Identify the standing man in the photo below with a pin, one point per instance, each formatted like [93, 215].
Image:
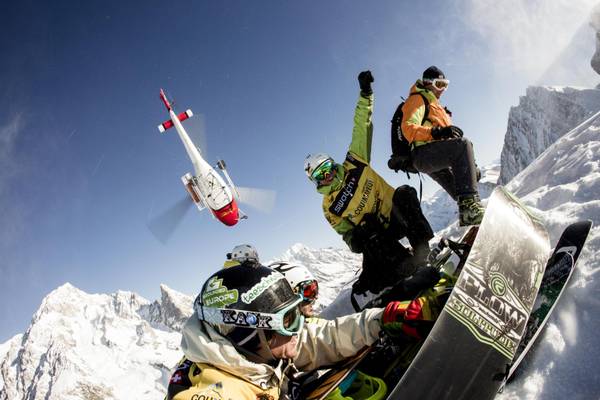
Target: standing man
[362, 207]
[438, 147]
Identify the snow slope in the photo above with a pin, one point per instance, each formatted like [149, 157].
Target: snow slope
[564, 185]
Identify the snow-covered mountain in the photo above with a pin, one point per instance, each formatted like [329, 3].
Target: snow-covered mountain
[95, 346]
[117, 346]
[336, 269]
[543, 115]
[83, 346]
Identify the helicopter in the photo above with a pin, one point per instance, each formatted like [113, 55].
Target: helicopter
[206, 188]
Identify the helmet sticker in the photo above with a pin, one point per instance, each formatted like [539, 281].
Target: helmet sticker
[217, 295]
[256, 290]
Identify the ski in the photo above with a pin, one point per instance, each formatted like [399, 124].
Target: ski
[558, 272]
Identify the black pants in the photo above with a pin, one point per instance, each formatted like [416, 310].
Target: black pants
[451, 163]
[407, 219]
[385, 260]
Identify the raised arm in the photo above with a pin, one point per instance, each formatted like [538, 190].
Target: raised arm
[362, 132]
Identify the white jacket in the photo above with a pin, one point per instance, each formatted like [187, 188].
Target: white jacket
[224, 372]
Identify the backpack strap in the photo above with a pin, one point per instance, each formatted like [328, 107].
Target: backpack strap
[425, 102]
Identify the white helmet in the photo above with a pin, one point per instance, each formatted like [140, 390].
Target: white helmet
[294, 273]
[244, 252]
[314, 161]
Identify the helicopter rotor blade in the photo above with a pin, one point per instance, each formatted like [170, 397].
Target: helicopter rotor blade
[164, 224]
[260, 199]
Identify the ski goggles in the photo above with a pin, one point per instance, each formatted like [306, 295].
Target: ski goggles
[438, 83]
[287, 321]
[323, 171]
[309, 290]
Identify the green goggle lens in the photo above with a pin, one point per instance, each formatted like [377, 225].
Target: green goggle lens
[323, 171]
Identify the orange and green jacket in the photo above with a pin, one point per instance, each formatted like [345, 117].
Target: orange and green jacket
[416, 130]
[357, 189]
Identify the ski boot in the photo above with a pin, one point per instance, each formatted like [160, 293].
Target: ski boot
[470, 210]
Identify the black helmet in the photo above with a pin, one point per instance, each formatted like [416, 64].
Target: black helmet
[248, 304]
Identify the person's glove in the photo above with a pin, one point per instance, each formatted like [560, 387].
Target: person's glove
[408, 318]
[364, 81]
[446, 132]
[423, 278]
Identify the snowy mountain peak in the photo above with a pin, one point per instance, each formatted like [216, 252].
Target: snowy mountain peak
[543, 115]
[82, 345]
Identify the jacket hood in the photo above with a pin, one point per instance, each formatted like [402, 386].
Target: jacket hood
[338, 180]
[418, 87]
[203, 344]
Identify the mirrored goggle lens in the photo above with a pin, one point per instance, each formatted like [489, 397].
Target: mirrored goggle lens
[440, 83]
[309, 290]
[323, 171]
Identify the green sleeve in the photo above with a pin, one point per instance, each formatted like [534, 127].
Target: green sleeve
[362, 133]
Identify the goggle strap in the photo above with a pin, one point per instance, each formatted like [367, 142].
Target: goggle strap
[242, 318]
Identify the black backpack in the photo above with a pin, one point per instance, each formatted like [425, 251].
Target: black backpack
[400, 160]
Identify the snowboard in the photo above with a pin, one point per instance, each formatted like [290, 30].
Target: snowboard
[485, 316]
[556, 277]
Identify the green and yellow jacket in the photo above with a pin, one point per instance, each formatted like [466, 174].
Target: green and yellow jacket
[357, 189]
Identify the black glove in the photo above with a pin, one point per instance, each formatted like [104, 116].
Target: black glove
[364, 81]
[446, 132]
[423, 278]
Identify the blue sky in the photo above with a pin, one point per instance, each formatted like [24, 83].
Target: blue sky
[82, 165]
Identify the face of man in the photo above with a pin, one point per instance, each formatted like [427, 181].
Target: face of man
[437, 92]
[306, 308]
[283, 346]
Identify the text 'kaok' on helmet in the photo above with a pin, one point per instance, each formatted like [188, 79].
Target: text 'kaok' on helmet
[248, 305]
